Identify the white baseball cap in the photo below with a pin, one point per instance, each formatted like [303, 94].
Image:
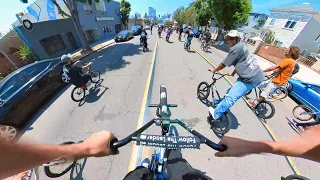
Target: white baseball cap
[232, 33]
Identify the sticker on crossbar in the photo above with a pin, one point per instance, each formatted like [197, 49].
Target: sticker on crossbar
[171, 142]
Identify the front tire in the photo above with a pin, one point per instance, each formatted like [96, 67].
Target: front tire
[223, 126]
[302, 112]
[203, 90]
[265, 110]
[295, 177]
[95, 76]
[78, 94]
[50, 170]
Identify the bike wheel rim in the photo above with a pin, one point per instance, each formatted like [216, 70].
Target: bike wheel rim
[263, 109]
[78, 94]
[203, 90]
[221, 125]
[95, 76]
[302, 113]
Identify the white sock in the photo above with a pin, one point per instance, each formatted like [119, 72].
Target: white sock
[211, 111]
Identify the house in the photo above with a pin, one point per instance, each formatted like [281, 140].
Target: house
[54, 34]
[294, 25]
[253, 20]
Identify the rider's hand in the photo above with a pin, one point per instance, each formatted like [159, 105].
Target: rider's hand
[236, 147]
[212, 69]
[97, 145]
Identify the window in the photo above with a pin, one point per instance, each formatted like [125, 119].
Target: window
[100, 6]
[106, 29]
[273, 20]
[11, 86]
[34, 70]
[87, 9]
[304, 52]
[53, 44]
[317, 39]
[292, 21]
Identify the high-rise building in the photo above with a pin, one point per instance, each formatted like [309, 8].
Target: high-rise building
[138, 15]
[152, 12]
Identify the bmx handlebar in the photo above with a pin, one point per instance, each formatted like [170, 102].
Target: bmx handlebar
[174, 142]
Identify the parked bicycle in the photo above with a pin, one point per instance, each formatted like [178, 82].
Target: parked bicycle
[164, 142]
[223, 125]
[79, 93]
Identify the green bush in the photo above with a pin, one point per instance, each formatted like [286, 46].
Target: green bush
[26, 55]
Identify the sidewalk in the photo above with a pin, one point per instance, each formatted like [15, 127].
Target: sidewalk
[304, 73]
[95, 47]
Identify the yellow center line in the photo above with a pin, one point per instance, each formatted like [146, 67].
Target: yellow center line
[135, 148]
[267, 127]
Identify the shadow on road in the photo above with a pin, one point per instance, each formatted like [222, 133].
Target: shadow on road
[112, 57]
[93, 95]
[106, 59]
[77, 170]
[35, 115]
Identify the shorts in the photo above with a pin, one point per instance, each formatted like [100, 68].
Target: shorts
[207, 40]
[268, 88]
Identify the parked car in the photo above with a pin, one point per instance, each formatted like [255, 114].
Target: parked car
[147, 27]
[136, 30]
[23, 91]
[124, 35]
[306, 93]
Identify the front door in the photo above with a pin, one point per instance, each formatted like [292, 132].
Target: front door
[72, 41]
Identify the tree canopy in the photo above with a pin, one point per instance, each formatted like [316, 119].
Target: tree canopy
[125, 8]
[179, 15]
[225, 13]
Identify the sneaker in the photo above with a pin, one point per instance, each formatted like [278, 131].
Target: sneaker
[211, 112]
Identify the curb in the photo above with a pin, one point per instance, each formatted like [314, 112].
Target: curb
[96, 50]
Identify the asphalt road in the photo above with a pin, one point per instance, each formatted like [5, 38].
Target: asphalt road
[117, 108]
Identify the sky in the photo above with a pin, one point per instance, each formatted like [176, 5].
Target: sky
[11, 7]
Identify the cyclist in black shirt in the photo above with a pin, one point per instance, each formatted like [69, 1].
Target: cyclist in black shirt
[190, 35]
[77, 77]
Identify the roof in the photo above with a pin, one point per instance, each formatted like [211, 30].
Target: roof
[304, 8]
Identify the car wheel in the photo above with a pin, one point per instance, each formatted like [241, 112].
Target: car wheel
[8, 132]
[65, 78]
[289, 87]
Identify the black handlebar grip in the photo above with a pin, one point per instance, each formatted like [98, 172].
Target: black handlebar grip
[113, 149]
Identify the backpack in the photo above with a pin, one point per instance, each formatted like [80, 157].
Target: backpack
[296, 69]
